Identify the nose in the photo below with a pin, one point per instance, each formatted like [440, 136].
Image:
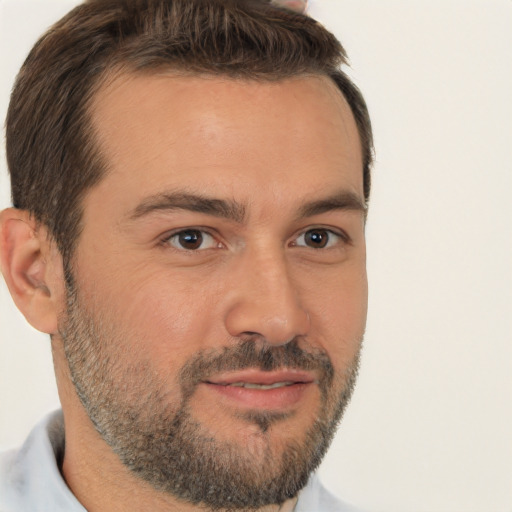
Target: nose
[265, 302]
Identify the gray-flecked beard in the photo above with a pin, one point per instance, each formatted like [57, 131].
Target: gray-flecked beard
[162, 443]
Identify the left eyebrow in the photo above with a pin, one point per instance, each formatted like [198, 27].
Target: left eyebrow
[341, 201]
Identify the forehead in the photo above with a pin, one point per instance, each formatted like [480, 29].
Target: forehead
[163, 130]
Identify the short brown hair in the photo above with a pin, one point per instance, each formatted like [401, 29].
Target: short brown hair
[51, 154]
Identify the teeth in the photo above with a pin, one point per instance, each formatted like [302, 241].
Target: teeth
[250, 385]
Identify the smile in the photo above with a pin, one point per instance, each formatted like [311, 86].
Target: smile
[252, 385]
[256, 389]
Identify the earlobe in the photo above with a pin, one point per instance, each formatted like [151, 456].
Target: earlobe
[27, 269]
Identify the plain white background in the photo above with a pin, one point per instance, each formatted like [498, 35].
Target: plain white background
[429, 428]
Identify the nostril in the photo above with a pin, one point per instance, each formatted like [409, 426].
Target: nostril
[251, 334]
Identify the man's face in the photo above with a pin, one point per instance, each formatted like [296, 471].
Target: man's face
[219, 286]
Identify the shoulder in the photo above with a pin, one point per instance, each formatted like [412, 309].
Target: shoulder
[30, 478]
[316, 498]
[12, 480]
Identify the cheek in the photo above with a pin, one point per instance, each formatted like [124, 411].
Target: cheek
[168, 315]
[339, 317]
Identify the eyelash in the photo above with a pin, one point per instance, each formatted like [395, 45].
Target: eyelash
[168, 239]
[341, 235]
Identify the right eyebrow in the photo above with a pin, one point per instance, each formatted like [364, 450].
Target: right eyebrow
[227, 209]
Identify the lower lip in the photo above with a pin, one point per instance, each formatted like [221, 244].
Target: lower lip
[268, 399]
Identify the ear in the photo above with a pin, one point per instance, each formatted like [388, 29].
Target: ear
[32, 268]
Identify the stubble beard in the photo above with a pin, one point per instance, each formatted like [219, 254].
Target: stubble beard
[161, 441]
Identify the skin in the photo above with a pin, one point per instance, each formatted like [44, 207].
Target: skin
[272, 148]
[294, 5]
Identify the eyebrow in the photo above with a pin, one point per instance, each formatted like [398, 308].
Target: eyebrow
[343, 200]
[235, 211]
[228, 209]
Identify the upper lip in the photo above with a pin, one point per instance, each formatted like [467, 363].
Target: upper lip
[257, 376]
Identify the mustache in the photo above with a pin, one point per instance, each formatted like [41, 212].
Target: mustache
[251, 353]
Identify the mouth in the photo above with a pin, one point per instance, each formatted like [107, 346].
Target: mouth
[255, 389]
[253, 385]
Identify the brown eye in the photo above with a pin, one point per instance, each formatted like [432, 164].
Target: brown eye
[192, 240]
[318, 238]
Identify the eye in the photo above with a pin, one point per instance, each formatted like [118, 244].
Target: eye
[318, 238]
[192, 240]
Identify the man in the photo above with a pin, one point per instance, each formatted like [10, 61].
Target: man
[190, 182]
